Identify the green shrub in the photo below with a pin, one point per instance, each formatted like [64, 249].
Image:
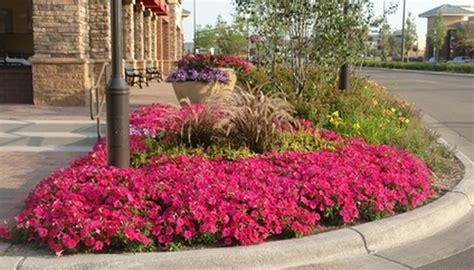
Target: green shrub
[367, 111]
[450, 67]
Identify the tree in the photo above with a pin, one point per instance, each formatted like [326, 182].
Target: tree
[304, 33]
[385, 40]
[224, 38]
[410, 34]
[437, 34]
[206, 37]
[231, 39]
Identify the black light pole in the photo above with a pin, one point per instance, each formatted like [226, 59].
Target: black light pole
[344, 71]
[403, 32]
[194, 26]
[118, 152]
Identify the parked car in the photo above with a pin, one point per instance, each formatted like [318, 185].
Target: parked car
[462, 59]
[436, 60]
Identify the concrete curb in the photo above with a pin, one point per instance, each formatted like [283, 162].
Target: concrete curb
[469, 75]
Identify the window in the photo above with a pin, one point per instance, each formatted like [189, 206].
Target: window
[6, 18]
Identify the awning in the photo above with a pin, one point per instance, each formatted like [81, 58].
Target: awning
[157, 6]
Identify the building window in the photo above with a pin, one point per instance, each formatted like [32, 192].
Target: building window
[6, 21]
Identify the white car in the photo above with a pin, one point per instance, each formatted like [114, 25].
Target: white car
[461, 59]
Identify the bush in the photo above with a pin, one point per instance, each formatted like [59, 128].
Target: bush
[367, 111]
[450, 67]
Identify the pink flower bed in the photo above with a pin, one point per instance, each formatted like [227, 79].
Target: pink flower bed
[91, 207]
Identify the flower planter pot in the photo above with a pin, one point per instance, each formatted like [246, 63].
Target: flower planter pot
[197, 91]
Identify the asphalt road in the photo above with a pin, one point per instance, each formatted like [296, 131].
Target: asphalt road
[449, 99]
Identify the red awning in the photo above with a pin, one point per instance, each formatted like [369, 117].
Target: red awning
[157, 6]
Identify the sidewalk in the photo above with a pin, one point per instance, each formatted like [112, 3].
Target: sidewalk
[156, 92]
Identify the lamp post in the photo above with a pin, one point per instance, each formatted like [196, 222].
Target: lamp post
[344, 70]
[403, 32]
[118, 152]
[194, 26]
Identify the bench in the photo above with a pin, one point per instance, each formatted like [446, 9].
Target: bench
[153, 73]
[134, 76]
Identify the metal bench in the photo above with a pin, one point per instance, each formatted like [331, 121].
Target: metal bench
[153, 73]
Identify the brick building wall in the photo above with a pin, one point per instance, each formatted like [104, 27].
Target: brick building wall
[72, 40]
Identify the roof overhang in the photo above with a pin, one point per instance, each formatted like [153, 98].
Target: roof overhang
[158, 7]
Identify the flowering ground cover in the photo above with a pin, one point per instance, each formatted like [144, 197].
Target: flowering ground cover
[173, 199]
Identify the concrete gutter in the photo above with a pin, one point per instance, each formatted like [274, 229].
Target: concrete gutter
[444, 73]
[317, 249]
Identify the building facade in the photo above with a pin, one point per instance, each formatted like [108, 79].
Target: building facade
[456, 19]
[68, 41]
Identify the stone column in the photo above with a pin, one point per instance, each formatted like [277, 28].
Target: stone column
[139, 49]
[129, 32]
[159, 42]
[99, 38]
[173, 30]
[61, 52]
[166, 48]
[153, 41]
[147, 36]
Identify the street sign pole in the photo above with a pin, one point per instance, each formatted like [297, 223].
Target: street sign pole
[118, 152]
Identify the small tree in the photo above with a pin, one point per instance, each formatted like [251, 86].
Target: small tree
[385, 48]
[231, 39]
[306, 33]
[437, 34]
[206, 37]
[410, 34]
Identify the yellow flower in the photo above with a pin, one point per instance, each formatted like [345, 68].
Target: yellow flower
[356, 126]
[393, 110]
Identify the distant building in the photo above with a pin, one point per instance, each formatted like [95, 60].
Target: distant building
[455, 18]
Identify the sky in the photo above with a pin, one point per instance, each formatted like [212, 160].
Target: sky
[208, 10]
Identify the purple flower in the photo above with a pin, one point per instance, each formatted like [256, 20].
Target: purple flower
[204, 75]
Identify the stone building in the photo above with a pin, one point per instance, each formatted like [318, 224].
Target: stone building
[455, 18]
[67, 42]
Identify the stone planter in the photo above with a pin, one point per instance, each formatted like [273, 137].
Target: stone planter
[197, 92]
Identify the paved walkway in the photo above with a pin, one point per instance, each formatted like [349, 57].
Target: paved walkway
[156, 92]
[20, 171]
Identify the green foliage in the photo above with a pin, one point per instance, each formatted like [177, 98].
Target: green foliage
[385, 40]
[285, 141]
[253, 119]
[225, 38]
[206, 37]
[367, 111]
[302, 34]
[302, 142]
[410, 34]
[450, 67]
[437, 34]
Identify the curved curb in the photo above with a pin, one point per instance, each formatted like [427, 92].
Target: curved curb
[339, 244]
